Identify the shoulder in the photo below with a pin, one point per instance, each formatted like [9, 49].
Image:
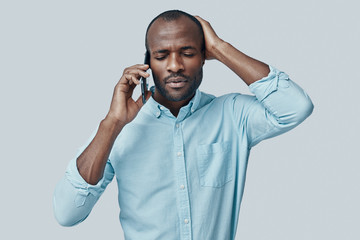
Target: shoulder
[229, 99]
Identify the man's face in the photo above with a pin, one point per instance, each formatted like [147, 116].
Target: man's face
[176, 58]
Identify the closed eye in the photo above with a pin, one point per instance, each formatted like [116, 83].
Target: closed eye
[188, 54]
[160, 58]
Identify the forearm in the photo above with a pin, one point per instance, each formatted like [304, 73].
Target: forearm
[91, 163]
[247, 68]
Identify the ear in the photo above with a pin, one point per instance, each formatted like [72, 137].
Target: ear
[203, 57]
[147, 58]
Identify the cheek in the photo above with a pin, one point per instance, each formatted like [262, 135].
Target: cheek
[158, 70]
[194, 66]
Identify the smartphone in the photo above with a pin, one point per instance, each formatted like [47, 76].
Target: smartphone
[143, 82]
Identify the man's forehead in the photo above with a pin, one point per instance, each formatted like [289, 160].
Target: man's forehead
[182, 30]
[182, 21]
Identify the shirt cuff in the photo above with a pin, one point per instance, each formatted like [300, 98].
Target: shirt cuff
[269, 84]
[74, 177]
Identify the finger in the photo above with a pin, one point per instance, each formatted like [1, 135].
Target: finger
[200, 19]
[138, 70]
[131, 89]
[130, 78]
[125, 88]
[126, 84]
[205, 24]
[143, 67]
[126, 79]
[138, 73]
[135, 80]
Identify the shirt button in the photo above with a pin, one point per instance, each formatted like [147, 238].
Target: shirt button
[182, 187]
[179, 154]
[186, 221]
[162, 108]
[177, 125]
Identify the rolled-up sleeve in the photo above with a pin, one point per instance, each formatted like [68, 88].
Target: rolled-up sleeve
[279, 105]
[74, 198]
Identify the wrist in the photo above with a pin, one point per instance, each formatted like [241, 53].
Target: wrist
[218, 48]
[113, 125]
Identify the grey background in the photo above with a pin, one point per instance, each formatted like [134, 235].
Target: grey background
[59, 62]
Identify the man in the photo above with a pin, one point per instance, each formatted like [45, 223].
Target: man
[180, 160]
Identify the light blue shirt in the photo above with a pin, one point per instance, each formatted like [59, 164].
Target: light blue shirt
[183, 177]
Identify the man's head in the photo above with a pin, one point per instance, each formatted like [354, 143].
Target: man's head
[173, 15]
[175, 41]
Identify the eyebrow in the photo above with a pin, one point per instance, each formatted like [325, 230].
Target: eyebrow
[188, 47]
[166, 51]
[160, 51]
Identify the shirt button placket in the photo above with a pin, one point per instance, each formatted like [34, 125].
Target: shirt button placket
[183, 195]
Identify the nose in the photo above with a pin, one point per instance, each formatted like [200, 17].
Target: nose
[175, 63]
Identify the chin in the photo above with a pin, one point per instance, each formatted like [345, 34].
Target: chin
[180, 94]
[177, 97]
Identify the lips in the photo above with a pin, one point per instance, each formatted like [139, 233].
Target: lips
[176, 82]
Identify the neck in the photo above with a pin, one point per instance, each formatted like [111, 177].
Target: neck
[173, 106]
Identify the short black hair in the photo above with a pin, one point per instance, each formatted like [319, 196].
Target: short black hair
[172, 15]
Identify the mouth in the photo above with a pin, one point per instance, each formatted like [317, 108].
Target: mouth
[176, 82]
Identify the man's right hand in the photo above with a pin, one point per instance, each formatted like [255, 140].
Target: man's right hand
[91, 162]
[123, 108]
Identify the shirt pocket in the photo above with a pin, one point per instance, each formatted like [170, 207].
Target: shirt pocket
[214, 164]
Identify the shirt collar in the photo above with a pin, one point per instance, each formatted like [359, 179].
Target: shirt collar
[157, 109]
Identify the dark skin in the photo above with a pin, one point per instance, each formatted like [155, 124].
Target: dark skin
[174, 50]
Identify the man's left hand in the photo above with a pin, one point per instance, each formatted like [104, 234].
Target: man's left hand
[212, 41]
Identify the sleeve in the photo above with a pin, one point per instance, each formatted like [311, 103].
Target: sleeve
[74, 198]
[279, 105]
